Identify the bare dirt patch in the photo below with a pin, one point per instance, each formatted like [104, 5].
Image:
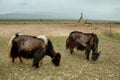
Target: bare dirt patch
[54, 29]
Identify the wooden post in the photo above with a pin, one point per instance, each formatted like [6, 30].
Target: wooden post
[81, 17]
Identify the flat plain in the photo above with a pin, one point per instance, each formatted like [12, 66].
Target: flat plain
[72, 67]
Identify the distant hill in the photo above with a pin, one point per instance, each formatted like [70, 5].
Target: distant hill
[41, 15]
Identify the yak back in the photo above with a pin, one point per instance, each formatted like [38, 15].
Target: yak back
[82, 40]
[29, 43]
[80, 37]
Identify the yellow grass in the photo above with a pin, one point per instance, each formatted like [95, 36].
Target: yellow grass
[73, 67]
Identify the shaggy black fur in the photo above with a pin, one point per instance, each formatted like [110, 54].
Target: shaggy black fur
[75, 40]
[56, 57]
[38, 55]
[20, 48]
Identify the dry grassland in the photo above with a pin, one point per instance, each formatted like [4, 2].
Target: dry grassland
[73, 67]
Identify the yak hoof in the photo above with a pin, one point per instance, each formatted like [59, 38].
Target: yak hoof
[35, 65]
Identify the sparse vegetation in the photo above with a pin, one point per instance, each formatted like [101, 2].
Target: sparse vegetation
[74, 67]
[38, 21]
[116, 36]
[28, 21]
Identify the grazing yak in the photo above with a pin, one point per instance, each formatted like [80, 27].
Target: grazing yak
[32, 47]
[83, 41]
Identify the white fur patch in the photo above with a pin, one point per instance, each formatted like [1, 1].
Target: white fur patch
[10, 44]
[10, 41]
[43, 37]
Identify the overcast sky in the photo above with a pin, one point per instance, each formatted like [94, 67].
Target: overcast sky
[92, 9]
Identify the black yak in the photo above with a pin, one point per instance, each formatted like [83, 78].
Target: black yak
[32, 47]
[83, 41]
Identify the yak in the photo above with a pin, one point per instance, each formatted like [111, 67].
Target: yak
[32, 47]
[83, 41]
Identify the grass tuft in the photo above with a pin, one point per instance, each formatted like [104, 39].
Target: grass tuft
[73, 67]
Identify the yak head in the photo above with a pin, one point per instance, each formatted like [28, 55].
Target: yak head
[95, 55]
[56, 59]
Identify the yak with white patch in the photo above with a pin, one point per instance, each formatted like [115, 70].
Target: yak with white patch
[83, 41]
[32, 47]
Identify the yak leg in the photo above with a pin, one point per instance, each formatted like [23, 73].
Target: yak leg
[72, 46]
[20, 59]
[87, 52]
[41, 62]
[71, 50]
[13, 59]
[38, 55]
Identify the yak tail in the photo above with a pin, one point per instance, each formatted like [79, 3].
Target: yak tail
[67, 43]
[10, 44]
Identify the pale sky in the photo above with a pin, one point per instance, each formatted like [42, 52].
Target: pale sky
[92, 9]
